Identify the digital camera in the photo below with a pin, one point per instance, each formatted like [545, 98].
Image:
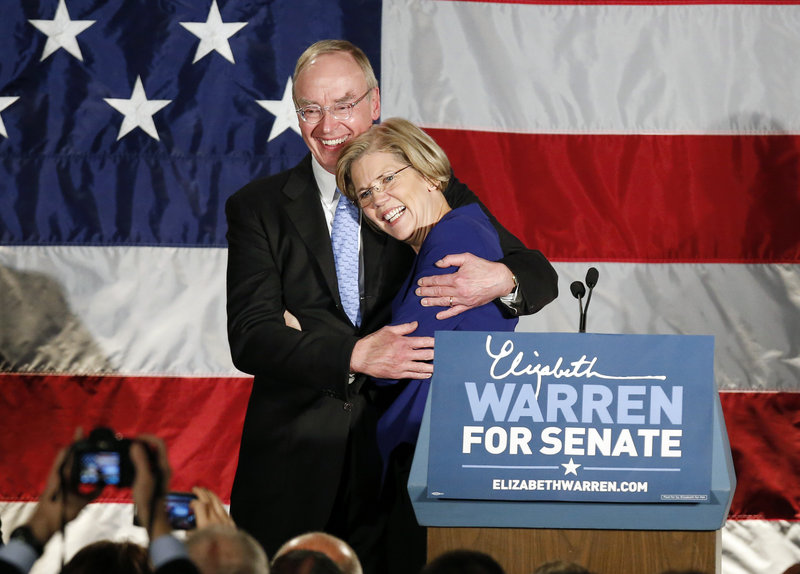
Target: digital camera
[101, 459]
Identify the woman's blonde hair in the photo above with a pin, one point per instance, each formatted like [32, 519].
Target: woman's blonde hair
[406, 142]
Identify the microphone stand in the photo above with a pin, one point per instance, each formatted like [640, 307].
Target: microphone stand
[591, 280]
[578, 291]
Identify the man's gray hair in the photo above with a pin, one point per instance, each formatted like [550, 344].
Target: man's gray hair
[224, 549]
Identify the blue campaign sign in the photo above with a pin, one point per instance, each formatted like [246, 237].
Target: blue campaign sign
[571, 417]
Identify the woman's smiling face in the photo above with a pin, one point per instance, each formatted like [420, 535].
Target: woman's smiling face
[403, 203]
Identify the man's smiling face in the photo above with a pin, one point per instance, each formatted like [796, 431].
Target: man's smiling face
[328, 80]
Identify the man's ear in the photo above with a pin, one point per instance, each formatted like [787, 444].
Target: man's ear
[375, 102]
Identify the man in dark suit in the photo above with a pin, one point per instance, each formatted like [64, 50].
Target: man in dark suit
[308, 458]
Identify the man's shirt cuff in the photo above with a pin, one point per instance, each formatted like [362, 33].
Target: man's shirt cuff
[18, 554]
[165, 549]
[513, 301]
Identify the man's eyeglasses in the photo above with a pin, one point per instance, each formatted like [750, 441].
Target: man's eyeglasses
[366, 196]
[313, 113]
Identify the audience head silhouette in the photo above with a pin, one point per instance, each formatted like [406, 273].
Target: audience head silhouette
[561, 567]
[222, 549]
[108, 556]
[463, 562]
[303, 561]
[334, 548]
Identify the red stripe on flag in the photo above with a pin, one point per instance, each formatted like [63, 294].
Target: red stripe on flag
[638, 198]
[200, 419]
[762, 428]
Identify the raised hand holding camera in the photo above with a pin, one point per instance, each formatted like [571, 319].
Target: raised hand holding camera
[103, 459]
[209, 509]
[150, 484]
[58, 504]
[79, 474]
[109, 459]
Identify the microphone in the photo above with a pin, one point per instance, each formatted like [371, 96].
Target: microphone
[578, 291]
[591, 280]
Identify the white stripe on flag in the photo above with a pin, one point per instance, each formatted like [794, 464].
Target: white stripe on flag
[688, 69]
[750, 546]
[100, 521]
[171, 319]
[747, 545]
[752, 310]
[123, 310]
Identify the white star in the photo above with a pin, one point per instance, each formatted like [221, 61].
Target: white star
[5, 101]
[284, 112]
[62, 32]
[214, 34]
[570, 467]
[138, 111]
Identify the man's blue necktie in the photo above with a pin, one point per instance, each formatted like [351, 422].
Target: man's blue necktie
[344, 236]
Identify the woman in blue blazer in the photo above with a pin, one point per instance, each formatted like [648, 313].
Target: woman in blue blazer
[396, 174]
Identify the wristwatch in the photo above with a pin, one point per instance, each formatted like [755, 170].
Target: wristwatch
[25, 534]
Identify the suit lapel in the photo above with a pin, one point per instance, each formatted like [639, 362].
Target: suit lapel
[304, 209]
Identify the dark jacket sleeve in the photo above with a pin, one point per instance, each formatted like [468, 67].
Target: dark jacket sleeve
[538, 281]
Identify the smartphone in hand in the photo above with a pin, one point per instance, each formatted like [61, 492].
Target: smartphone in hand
[180, 513]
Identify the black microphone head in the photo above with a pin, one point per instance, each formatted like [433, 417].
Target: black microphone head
[578, 290]
[591, 277]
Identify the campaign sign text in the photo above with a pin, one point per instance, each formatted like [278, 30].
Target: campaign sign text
[571, 417]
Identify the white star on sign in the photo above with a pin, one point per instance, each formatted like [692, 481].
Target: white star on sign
[214, 34]
[570, 467]
[138, 111]
[62, 32]
[284, 112]
[5, 101]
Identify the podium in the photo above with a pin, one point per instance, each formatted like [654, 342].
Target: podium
[605, 537]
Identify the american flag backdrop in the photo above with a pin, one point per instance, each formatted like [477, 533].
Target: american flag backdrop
[656, 141]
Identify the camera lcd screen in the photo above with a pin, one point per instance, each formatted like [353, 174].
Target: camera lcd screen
[181, 515]
[101, 466]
